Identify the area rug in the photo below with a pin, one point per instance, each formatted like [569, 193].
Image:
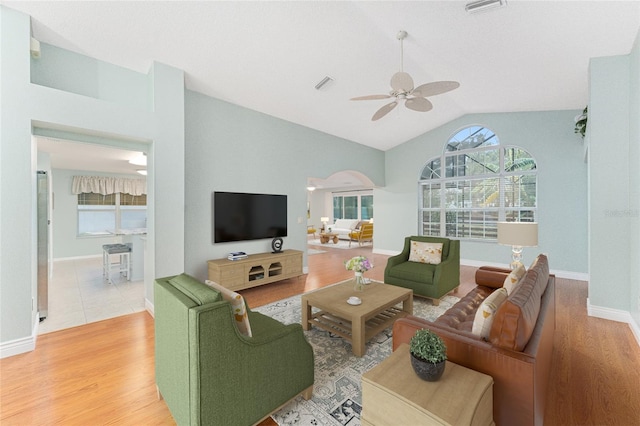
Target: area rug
[311, 252]
[337, 397]
[342, 244]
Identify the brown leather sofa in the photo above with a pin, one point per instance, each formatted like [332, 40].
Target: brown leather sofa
[519, 350]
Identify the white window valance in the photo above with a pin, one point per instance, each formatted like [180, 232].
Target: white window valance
[108, 185]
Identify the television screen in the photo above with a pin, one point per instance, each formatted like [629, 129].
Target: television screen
[240, 216]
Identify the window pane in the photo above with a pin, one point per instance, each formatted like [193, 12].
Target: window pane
[520, 216]
[350, 207]
[458, 194]
[133, 200]
[516, 159]
[472, 137]
[485, 193]
[431, 223]
[431, 170]
[93, 199]
[133, 217]
[520, 191]
[430, 195]
[337, 208]
[93, 222]
[366, 208]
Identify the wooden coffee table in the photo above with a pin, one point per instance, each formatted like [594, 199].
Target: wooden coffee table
[358, 323]
[326, 236]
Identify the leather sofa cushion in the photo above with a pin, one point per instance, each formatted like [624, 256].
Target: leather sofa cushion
[412, 271]
[195, 290]
[461, 315]
[517, 316]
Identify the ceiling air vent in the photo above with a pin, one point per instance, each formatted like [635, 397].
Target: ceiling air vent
[484, 5]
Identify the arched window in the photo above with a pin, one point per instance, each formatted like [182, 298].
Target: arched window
[482, 182]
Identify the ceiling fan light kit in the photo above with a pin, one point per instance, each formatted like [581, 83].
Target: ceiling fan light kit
[402, 89]
[484, 5]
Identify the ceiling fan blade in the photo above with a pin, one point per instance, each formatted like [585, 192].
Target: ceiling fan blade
[418, 104]
[435, 88]
[402, 82]
[370, 97]
[384, 111]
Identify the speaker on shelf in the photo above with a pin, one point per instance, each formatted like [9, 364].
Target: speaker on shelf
[276, 245]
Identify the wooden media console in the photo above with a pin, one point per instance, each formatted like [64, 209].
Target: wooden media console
[255, 269]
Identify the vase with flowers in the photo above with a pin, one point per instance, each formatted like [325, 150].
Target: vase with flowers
[359, 265]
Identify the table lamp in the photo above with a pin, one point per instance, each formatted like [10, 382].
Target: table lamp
[517, 235]
[324, 221]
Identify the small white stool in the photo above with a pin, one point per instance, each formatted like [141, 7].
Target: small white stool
[124, 260]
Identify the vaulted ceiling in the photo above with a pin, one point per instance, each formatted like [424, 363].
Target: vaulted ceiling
[268, 56]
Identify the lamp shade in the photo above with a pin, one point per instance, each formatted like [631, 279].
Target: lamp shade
[523, 234]
[324, 219]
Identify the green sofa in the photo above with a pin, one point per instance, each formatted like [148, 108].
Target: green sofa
[426, 280]
[208, 372]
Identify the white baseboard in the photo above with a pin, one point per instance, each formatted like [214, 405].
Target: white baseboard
[385, 252]
[22, 345]
[149, 307]
[614, 315]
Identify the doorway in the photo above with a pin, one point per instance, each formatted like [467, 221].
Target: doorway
[78, 290]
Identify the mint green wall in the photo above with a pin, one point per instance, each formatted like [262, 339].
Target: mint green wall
[24, 105]
[231, 148]
[58, 68]
[614, 182]
[634, 178]
[562, 193]
[609, 190]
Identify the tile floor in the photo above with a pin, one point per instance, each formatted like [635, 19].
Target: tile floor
[79, 294]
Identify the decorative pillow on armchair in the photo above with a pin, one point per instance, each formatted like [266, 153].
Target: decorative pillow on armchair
[486, 313]
[238, 306]
[422, 252]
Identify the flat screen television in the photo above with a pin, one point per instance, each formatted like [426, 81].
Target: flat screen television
[239, 216]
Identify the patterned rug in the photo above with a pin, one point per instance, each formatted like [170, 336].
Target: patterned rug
[337, 397]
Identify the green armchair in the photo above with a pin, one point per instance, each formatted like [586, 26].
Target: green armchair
[426, 280]
[208, 372]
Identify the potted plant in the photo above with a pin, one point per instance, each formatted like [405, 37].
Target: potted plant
[428, 355]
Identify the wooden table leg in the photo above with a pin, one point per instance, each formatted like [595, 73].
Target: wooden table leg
[306, 314]
[407, 304]
[358, 336]
[335, 240]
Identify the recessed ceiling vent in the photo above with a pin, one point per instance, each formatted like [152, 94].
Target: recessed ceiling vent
[484, 5]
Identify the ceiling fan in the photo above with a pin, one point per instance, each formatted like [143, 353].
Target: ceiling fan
[402, 90]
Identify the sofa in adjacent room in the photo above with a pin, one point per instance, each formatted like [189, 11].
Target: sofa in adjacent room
[430, 266]
[514, 344]
[218, 362]
[343, 227]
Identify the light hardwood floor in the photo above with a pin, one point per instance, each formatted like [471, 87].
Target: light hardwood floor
[103, 373]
